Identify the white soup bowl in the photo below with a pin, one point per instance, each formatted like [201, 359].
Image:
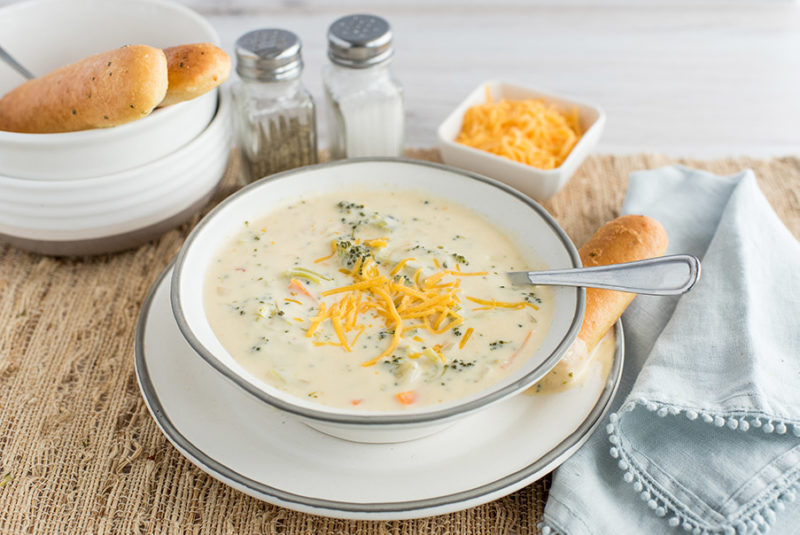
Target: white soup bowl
[530, 226]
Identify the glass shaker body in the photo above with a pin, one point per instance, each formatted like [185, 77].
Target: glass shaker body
[275, 117]
[276, 125]
[364, 103]
[364, 110]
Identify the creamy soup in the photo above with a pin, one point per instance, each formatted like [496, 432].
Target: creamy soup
[375, 300]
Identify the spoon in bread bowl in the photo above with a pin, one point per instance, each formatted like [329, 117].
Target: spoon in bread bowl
[663, 275]
[17, 66]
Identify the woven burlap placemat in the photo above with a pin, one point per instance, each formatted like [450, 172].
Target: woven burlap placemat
[79, 452]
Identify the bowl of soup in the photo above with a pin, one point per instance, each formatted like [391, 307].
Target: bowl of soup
[368, 297]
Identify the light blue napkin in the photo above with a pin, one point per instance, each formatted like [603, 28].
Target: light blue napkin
[706, 437]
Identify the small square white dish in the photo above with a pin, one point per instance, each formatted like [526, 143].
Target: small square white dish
[539, 184]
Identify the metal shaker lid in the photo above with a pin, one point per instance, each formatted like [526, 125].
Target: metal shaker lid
[360, 41]
[269, 55]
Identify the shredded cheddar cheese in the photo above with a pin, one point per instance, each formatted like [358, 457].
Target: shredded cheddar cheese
[432, 303]
[377, 242]
[463, 341]
[400, 265]
[489, 304]
[526, 131]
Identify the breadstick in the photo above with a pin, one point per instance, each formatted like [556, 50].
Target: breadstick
[103, 90]
[624, 239]
[194, 70]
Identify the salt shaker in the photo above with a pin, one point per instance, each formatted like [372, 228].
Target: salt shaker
[275, 119]
[364, 102]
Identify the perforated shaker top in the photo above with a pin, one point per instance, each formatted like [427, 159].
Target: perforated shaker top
[360, 41]
[269, 55]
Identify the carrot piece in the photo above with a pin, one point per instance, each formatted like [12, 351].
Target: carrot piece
[406, 398]
[356, 401]
[507, 363]
[296, 285]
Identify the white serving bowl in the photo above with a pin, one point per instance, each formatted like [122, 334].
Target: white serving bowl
[66, 201]
[46, 34]
[90, 214]
[124, 213]
[531, 227]
[539, 184]
[106, 220]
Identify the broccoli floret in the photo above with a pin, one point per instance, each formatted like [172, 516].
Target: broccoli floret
[497, 344]
[349, 253]
[531, 297]
[348, 207]
[355, 216]
[403, 279]
[460, 258]
[459, 365]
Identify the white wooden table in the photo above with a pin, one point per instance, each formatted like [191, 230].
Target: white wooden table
[683, 78]
[686, 78]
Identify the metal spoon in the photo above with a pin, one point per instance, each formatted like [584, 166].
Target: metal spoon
[665, 275]
[5, 56]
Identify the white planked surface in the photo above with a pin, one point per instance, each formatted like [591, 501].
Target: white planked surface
[685, 78]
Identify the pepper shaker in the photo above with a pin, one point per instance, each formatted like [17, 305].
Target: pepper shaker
[275, 119]
[364, 103]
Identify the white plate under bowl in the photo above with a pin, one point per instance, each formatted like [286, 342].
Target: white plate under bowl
[66, 31]
[264, 453]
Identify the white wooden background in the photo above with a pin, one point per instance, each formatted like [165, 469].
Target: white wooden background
[686, 78]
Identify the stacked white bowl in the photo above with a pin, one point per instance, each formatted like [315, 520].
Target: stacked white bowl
[105, 190]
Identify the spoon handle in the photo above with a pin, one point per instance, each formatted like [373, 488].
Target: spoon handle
[8, 58]
[665, 275]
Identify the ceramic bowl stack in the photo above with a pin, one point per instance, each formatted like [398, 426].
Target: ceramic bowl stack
[105, 190]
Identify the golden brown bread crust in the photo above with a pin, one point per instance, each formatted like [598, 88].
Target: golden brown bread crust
[624, 239]
[103, 90]
[194, 70]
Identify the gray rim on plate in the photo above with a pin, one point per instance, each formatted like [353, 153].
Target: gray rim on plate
[535, 470]
[322, 415]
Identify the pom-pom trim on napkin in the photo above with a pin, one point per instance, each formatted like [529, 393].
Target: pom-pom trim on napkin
[757, 520]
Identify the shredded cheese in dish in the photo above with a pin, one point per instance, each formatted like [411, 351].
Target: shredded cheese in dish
[391, 301]
[526, 131]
